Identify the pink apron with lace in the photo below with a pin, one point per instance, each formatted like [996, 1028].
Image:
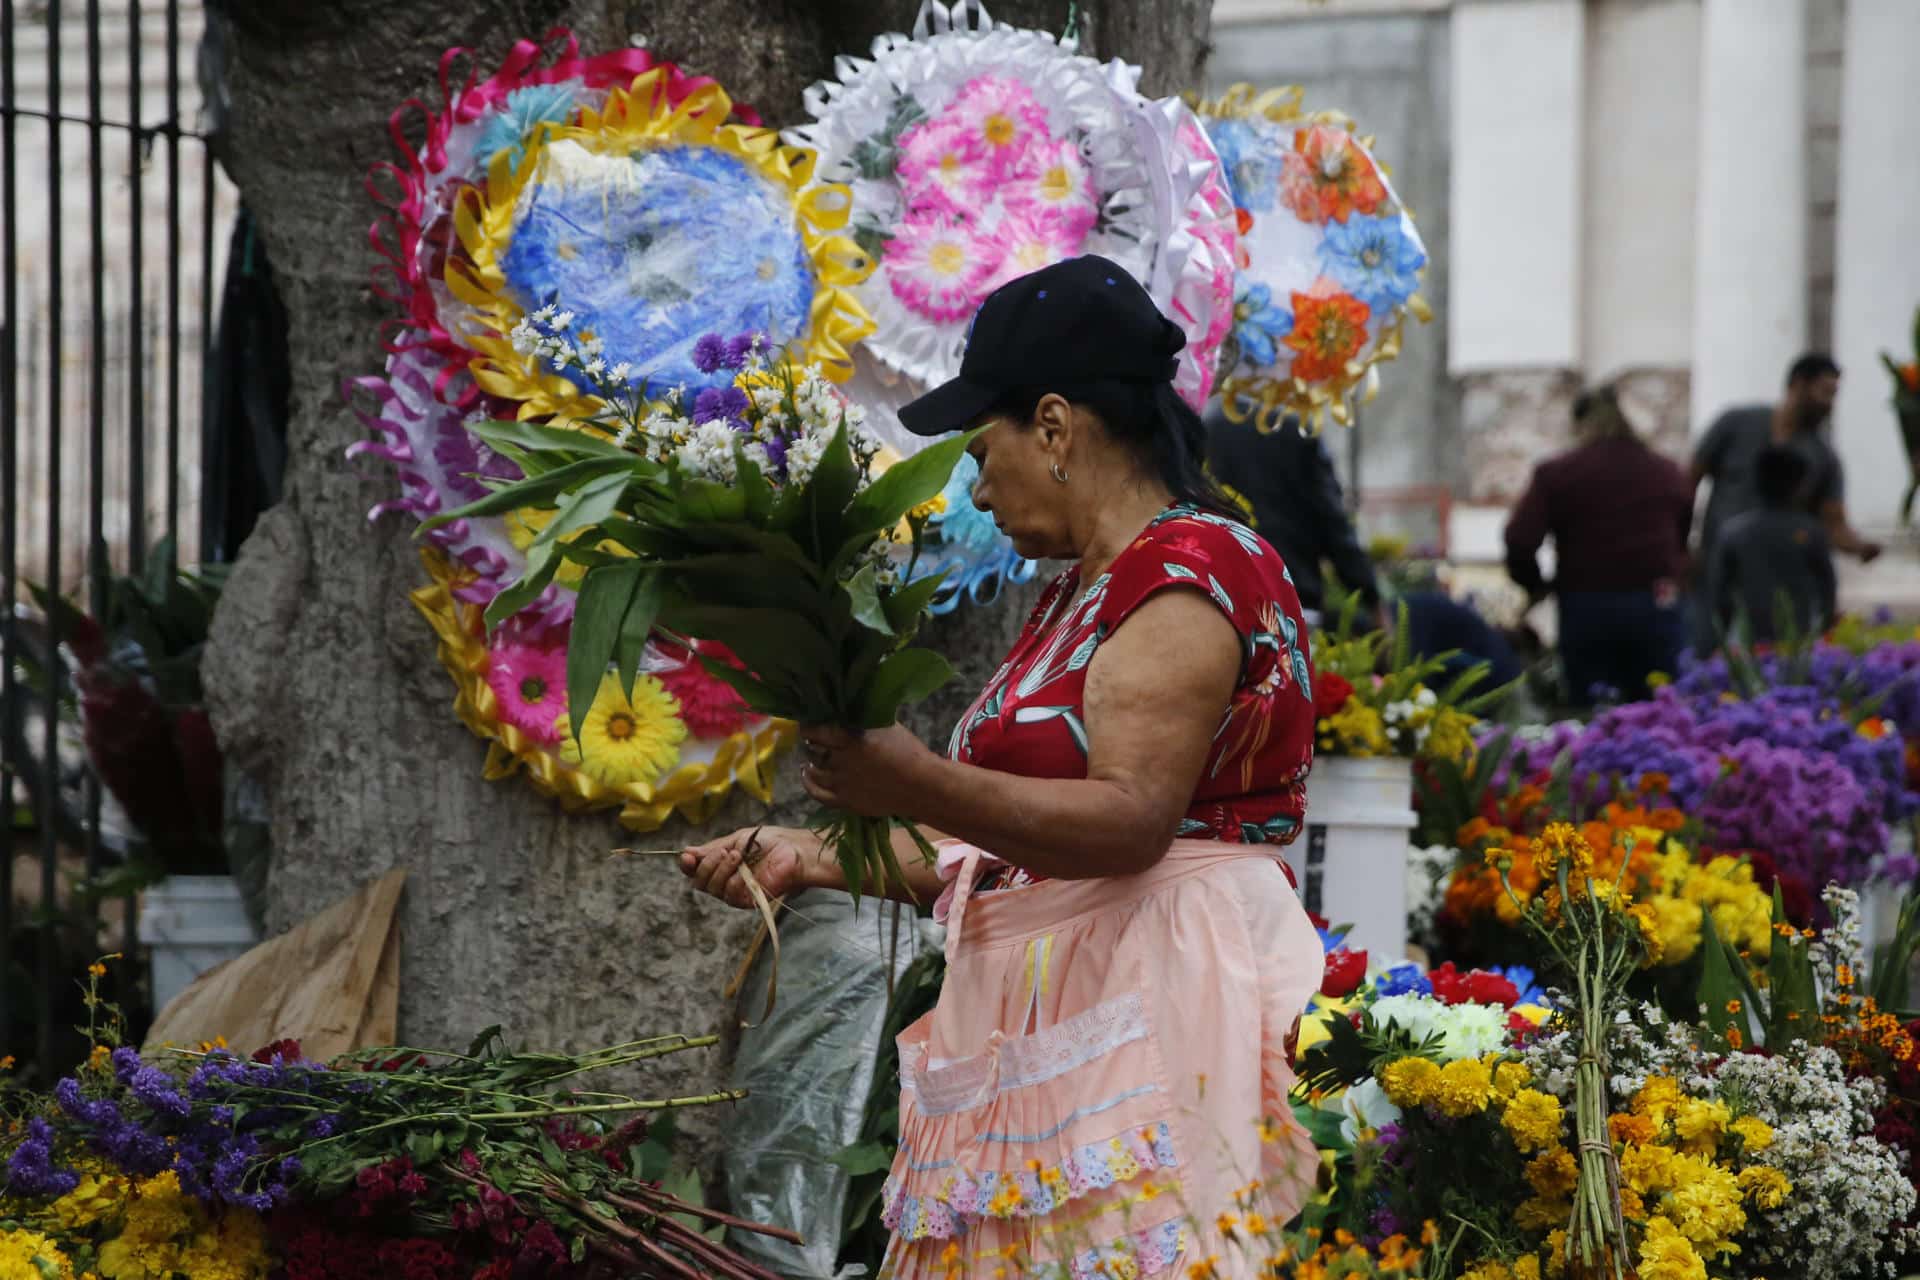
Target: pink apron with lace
[1091, 1089]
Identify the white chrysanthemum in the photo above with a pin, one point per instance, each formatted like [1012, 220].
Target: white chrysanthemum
[708, 452]
[1472, 1030]
[1418, 1016]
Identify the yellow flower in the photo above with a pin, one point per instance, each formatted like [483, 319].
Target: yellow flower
[234, 1250]
[98, 1057]
[1408, 1081]
[96, 970]
[1699, 1123]
[1538, 1214]
[1704, 1203]
[1533, 1120]
[1665, 1254]
[1766, 1187]
[1676, 928]
[6, 1063]
[1256, 1225]
[1648, 1169]
[1151, 1191]
[1754, 1133]
[624, 741]
[1464, 1087]
[1657, 1099]
[29, 1255]
[1553, 1174]
[1509, 1078]
[1207, 1268]
[524, 526]
[1269, 1131]
[1526, 1267]
[1557, 1252]
[1226, 1224]
[98, 1195]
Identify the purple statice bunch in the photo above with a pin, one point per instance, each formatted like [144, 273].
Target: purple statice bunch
[1805, 808]
[130, 1146]
[713, 353]
[30, 1169]
[1885, 678]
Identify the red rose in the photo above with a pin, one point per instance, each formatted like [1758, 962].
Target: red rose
[1478, 987]
[1330, 692]
[286, 1050]
[1345, 971]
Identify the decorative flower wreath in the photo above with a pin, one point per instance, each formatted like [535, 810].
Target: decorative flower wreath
[1330, 261]
[978, 152]
[586, 190]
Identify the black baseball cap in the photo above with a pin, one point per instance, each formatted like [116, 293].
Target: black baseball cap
[1081, 321]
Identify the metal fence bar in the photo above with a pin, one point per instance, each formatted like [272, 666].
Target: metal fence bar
[173, 273]
[136, 309]
[10, 484]
[49, 775]
[96, 560]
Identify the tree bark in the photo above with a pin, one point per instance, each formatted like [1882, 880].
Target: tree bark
[323, 680]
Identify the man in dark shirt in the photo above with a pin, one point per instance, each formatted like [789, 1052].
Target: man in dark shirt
[1285, 481]
[1730, 451]
[1772, 557]
[1618, 514]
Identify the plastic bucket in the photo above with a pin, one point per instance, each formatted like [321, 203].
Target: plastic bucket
[1352, 862]
[192, 924]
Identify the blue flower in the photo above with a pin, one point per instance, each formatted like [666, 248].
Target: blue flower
[1374, 259]
[1252, 161]
[30, 1172]
[709, 352]
[1524, 981]
[523, 111]
[1403, 979]
[716, 404]
[1258, 325]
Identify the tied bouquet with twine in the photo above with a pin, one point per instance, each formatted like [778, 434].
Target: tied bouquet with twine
[757, 514]
[1596, 936]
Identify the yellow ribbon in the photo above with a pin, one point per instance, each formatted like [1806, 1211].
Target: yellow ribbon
[693, 791]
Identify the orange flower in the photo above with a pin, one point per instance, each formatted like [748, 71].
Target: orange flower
[1328, 177]
[1910, 375]
[1327, 332]
[1873, 728]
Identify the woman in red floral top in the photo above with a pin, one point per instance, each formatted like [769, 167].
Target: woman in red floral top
[1126, 955]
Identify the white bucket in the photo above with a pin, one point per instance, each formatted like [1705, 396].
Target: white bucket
[192, 924]
[1352, 861]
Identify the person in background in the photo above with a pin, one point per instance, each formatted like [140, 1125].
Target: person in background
[1729, 455]
[1618, 514]
[1437, 623]
[1774, 555]
[1285, 483]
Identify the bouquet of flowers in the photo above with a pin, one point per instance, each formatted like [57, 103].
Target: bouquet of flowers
[753, 513]
[455, 1166]
[1408, 710]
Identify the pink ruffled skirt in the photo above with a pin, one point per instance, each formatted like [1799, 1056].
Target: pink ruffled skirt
[1105, 1073]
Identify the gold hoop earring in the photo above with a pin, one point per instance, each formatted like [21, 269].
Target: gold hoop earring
[1059, 474]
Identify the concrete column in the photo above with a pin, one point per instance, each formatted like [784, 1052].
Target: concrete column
[1750, 215]
[1515, 223]
[1877, 268]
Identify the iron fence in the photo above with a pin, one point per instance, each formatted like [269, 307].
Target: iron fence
[103, 346]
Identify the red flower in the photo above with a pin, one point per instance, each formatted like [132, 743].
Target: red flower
[286, 1050]
[1477, 987]
[1330, 692]
[1345, 970]
[1327, 332]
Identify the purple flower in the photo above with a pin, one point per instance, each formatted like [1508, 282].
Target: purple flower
[154, 1087]
[126, 1061]
[709, 352]
[715, 404]
[30, 1171]
[324, 1127]
[739, 347]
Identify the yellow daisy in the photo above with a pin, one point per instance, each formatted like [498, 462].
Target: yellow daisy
[624, 741]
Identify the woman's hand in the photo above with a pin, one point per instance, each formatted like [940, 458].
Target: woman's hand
[872, 773]
[784, 860]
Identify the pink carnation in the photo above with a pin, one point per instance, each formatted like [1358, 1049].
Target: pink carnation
[943, 167]
[709, 707]
[1004, 116]
[1030, 238]
[530, 682]
[938, 267]
[1054, 178]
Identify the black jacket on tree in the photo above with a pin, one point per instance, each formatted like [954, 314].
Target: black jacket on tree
[1286, 482]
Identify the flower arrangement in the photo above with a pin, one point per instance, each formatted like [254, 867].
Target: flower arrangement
[1405, 712]
[749, 514]
[455, 1166]
[1330, 263]
[1906, 405]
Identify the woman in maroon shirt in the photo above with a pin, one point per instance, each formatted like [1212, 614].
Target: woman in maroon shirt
[1618, 514]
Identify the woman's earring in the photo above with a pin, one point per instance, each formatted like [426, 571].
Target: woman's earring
[1059, 474]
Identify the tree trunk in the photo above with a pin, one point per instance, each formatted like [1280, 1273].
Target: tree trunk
[324, 681]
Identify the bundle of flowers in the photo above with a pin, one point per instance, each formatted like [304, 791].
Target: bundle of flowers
[750, 514]
[1787, 771]
[455, 1166]
[1639, 843]
[1372, 697]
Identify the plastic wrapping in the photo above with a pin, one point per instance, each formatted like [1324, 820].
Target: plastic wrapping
[808, 1069]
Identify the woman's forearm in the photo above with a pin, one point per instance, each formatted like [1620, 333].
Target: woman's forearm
[1063, 829]
[919, 882]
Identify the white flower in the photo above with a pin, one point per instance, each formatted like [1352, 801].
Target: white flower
[621, 372]
[596, 367]
[1472, 1030]
[803, 457]
[1366, 1107]
[708, 452]
[1418, 1016]
[562, 320]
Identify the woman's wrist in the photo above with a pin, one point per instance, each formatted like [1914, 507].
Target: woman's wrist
[818, 868]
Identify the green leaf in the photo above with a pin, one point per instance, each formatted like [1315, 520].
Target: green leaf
[605, 596]
[902, 678]
[751, 691]
[535, 437]
[785, 650]
[907, 605]
[864, 1158]
[905, 485]
[478, 1049]
[704, 500]
[522, 593]
[590, 505]
[863, 594]
[829, 490]
[540, 491]
[635, 627]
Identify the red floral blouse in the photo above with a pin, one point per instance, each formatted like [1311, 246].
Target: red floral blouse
[1028, 719]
